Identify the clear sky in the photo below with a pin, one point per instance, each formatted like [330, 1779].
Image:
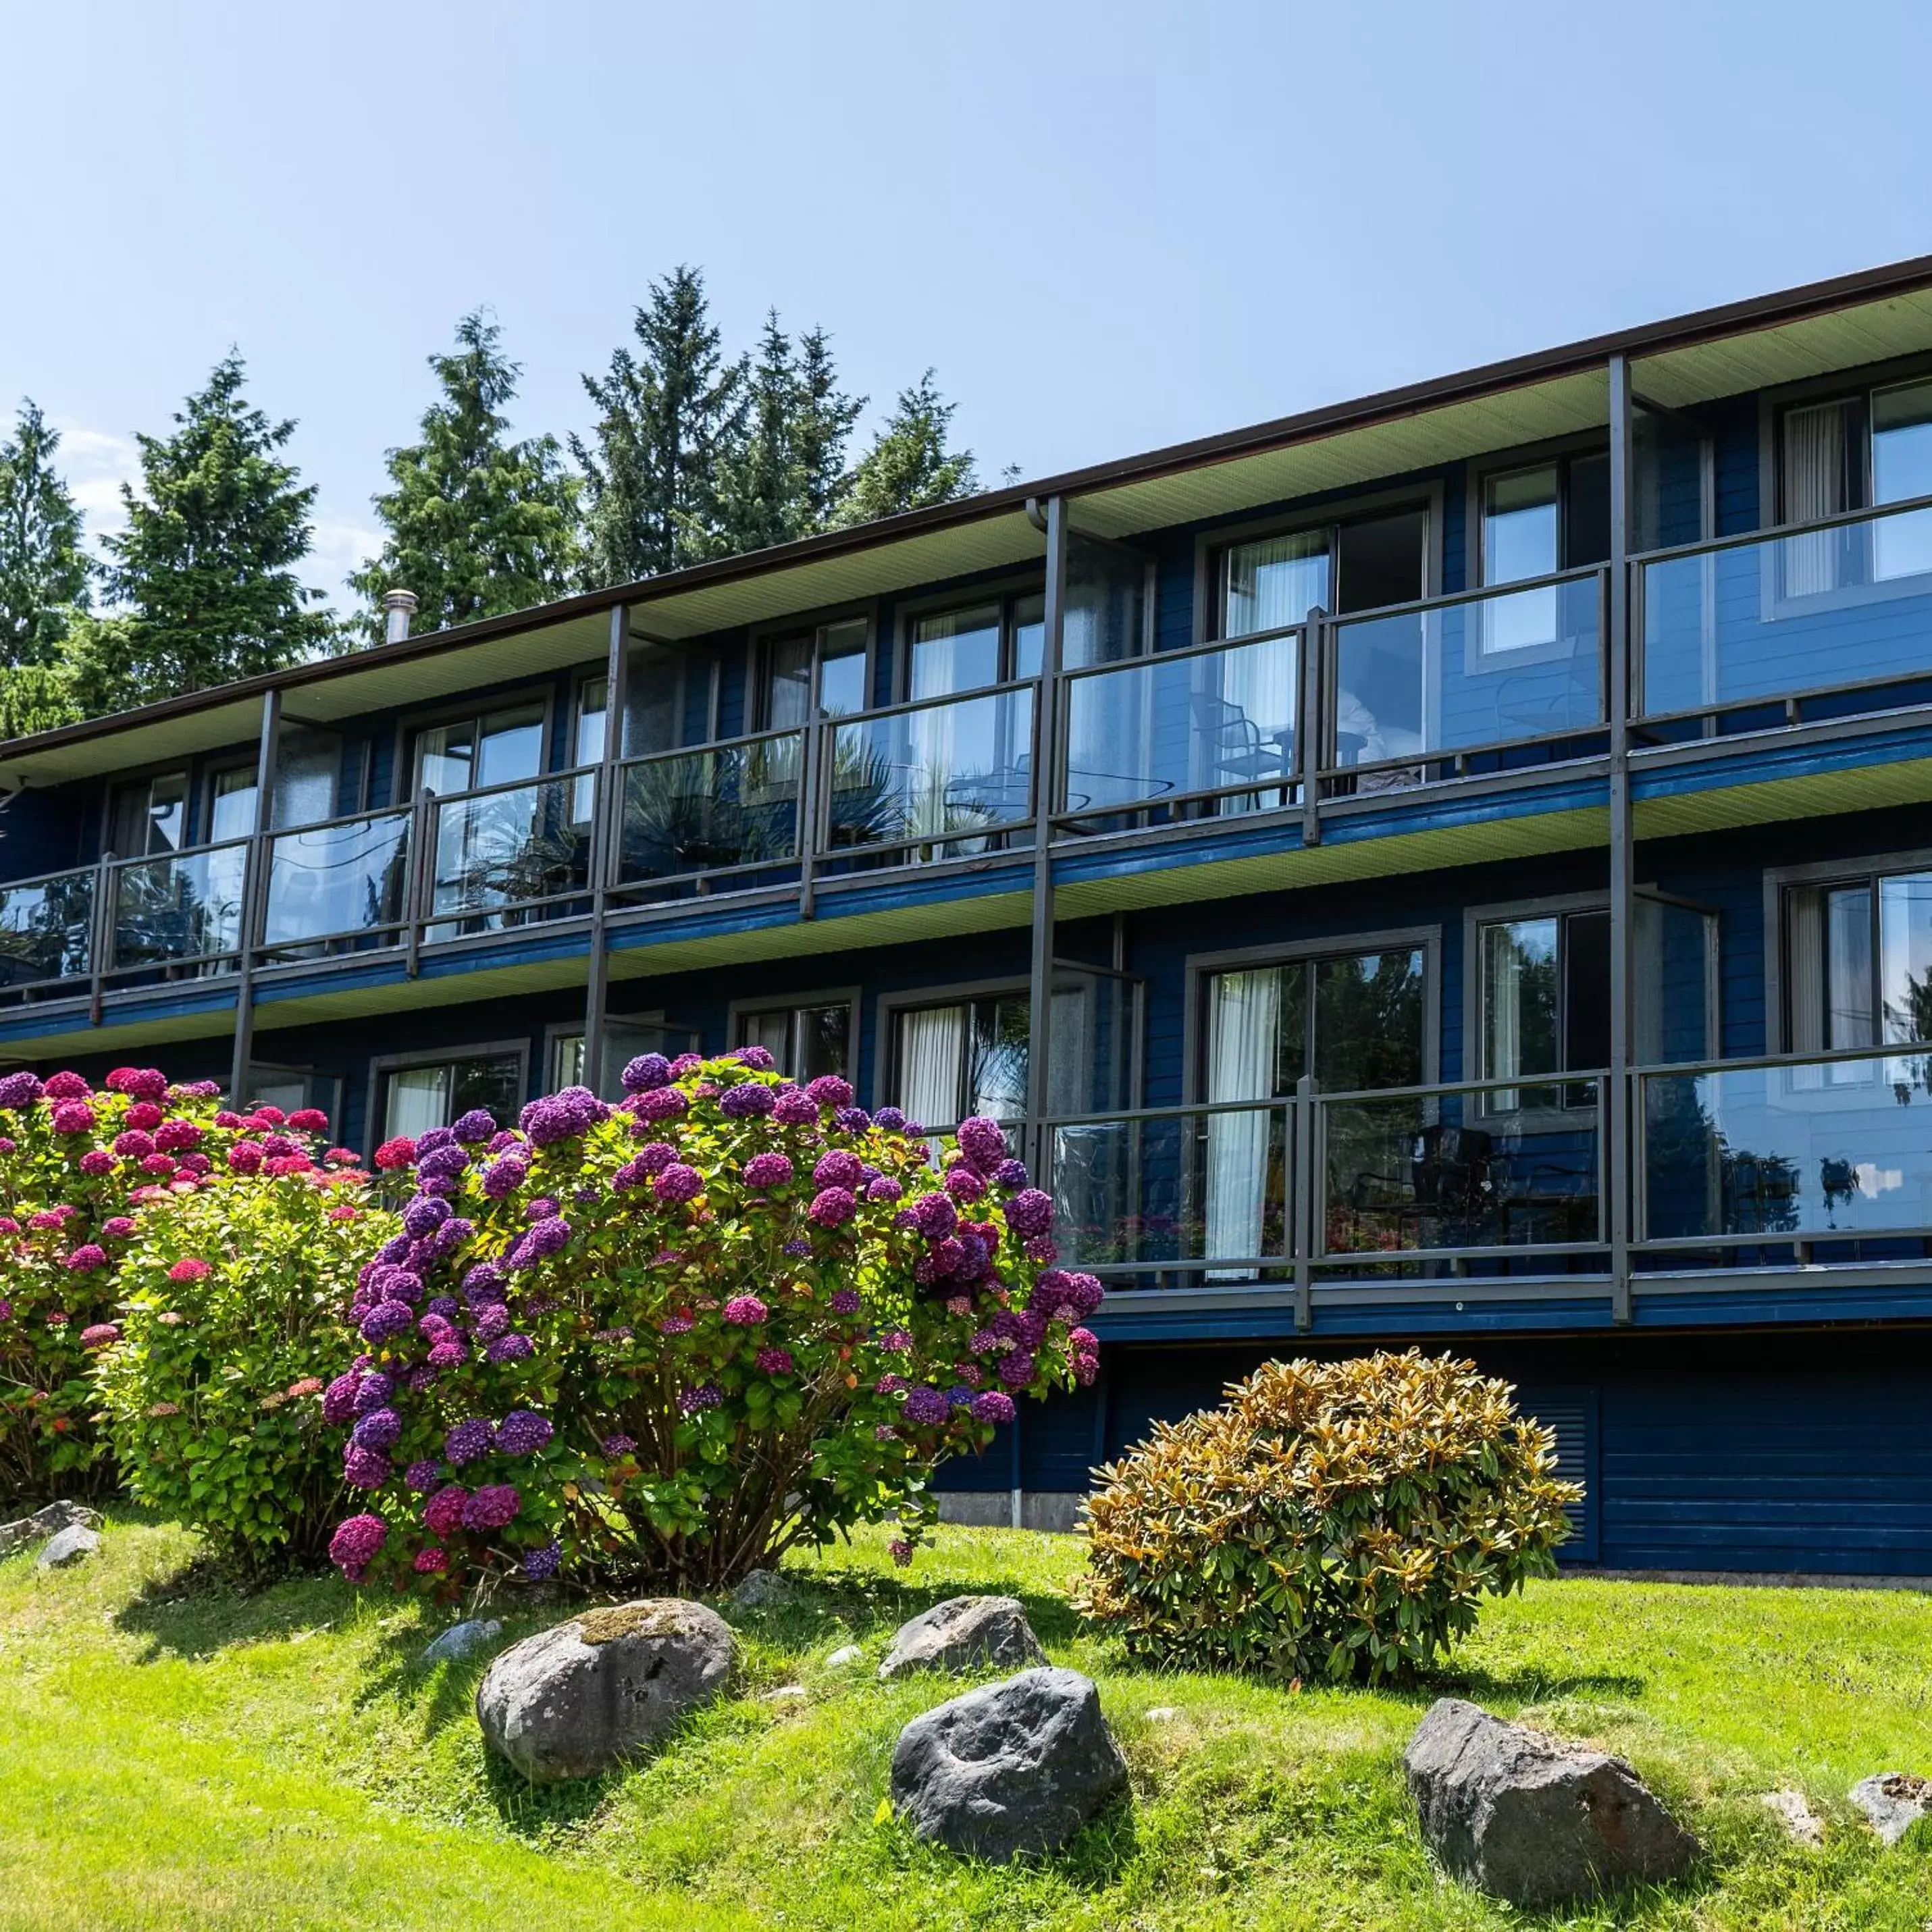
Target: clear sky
[1109, 225]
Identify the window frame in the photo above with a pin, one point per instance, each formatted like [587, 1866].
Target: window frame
[557, 1030]
[1859, 868]
[885, 1053]
[762, 636]
[1211, 546]
[382, 1065]
[1199, 967]
[849, 997]
[403, 783]
[1005, 590]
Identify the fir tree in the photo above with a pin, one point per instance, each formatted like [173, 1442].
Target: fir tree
[909, 465]
[666, 413]
[43, 570]
[478, 525]
[203, 575]
[823, 419]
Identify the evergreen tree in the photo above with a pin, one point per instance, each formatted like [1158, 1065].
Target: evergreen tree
[203, 574]
[43, 570]
[909, 465]
[822, 418]
[478, 525]
[667, 411]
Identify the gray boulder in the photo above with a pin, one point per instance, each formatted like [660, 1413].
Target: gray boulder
[575, 1700]
[1895, 1801]
[965, 1633]
[67, 1546]
[1010, 1770]
[48, 1522]
[1532, 1819]
[461, 1640]
[761, 1590]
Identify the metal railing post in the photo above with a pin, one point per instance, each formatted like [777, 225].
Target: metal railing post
[816, 734]
[100, 935]
[1302, 1155]
[1622, 834]
[252, 869]
[605, 806]
[1039, 981]
[421, 816]
[1309, 735]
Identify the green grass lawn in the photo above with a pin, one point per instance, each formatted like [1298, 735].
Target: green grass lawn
[173, 1756]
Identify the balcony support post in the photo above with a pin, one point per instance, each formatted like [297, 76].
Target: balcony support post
[1308, 733]
[1623, 873]
[100, 936]
[606, 838]
[254, 888]
[1046, 782]
[1304, 1193]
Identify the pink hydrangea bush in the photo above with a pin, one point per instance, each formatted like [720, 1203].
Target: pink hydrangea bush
[76, 1167]
[228, 1326]
[672, 1339]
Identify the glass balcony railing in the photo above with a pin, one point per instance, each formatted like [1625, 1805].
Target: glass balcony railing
[179, 909]
[1469, 1173]
[1843, 605]
[723, 814]
[1182, 734]
[1423, 690]
[1175, 1188]
[47, 929]
[944, 778]
[339, 886]
[1776, 1155]
[510, 856]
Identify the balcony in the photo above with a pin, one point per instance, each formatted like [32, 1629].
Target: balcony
[1804, 1174]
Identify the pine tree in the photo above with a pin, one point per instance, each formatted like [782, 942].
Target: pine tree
[43, 570]
[478, 525]
[909, 465]
[823, 417]
[667, 412]
[204, 573]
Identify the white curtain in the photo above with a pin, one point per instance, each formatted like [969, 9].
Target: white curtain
[1814, 486]
[1243, 1016]
[932, 1049]
[418, 1100]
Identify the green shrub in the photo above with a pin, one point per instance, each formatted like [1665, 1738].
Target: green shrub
[1337, 1519]
[232, 1298]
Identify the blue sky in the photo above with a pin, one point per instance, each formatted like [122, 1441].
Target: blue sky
[1109, 225]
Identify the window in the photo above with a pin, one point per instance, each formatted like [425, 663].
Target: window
[150, 817]
[231, 804]
[1354, 1020]
[967, 1057]
[1268, 584]
[624, 1040]
[1537, 521]
[1855, 453]
[292, 1089]
[413, 1099]
[997, 641]
[1545, 1001]
[494, 747]
[806, 1039]
[1858, 962]
[819, 673]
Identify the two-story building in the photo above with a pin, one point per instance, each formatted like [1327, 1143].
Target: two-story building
[1454, 868]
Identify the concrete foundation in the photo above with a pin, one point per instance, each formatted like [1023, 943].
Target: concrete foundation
[1057, 1511]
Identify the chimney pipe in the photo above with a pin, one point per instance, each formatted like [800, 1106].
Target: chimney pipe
[398, 607]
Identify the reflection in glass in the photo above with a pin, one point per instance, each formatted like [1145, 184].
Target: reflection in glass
[499, 856]
[185, 907]
[337, 881]
[46, 928]
[712, 810]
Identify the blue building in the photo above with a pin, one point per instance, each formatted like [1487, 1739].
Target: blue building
[1453, 869]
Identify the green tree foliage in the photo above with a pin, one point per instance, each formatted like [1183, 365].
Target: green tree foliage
[667, 410]
[43, 570]
[478, 524]
[909, 466]
[784, 475]
[204, 573]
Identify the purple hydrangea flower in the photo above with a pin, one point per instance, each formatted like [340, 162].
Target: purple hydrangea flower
[475, 1126]
[1011, 1174]
[751, 1100]
[491, 1320]
[677, 1183]
[447, 1354]
[935, 1216]
[385, 1319]
[896, 1342]
[767, 1170]
[483, 1285]
[833, 1207]
[774, 1361]
[993, 1406]
[654, 1156]
[541, 1565]
[884, 1189]
[1030, 1212]
[830, 1091]
[845, 1301]
[424, 1215]
[491, 1507]
[706, 1395]
[356, 1543]
[757, 1057]
[615, 1446]
[982, 1142]
[744, 1311]
[522, 1432]
[561, 1116]
[395, 1250]
[549, 1236]
[796, 1249]
[794, 1108]
[338, 1400]
[436, 1137]
[19, 1091]
[444, 1163]
[963, 1184]
[380, 1428]
[1016, 1370]
[508, 1349]
[685, 1062]
[467, 1441]
[675, 1325]
[853, 1120]
[891, 1118]
[926, 1407]
[660, 1103]
[838, 1168]
[364, 1468]
[647, 1071]
[374, 1392]
[504, 1175]
[420, 1477]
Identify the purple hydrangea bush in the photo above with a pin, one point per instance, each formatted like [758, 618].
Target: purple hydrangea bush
[77, 1166]
[670, 1339]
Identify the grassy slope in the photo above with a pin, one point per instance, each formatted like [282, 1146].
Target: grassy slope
[174, 1760]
